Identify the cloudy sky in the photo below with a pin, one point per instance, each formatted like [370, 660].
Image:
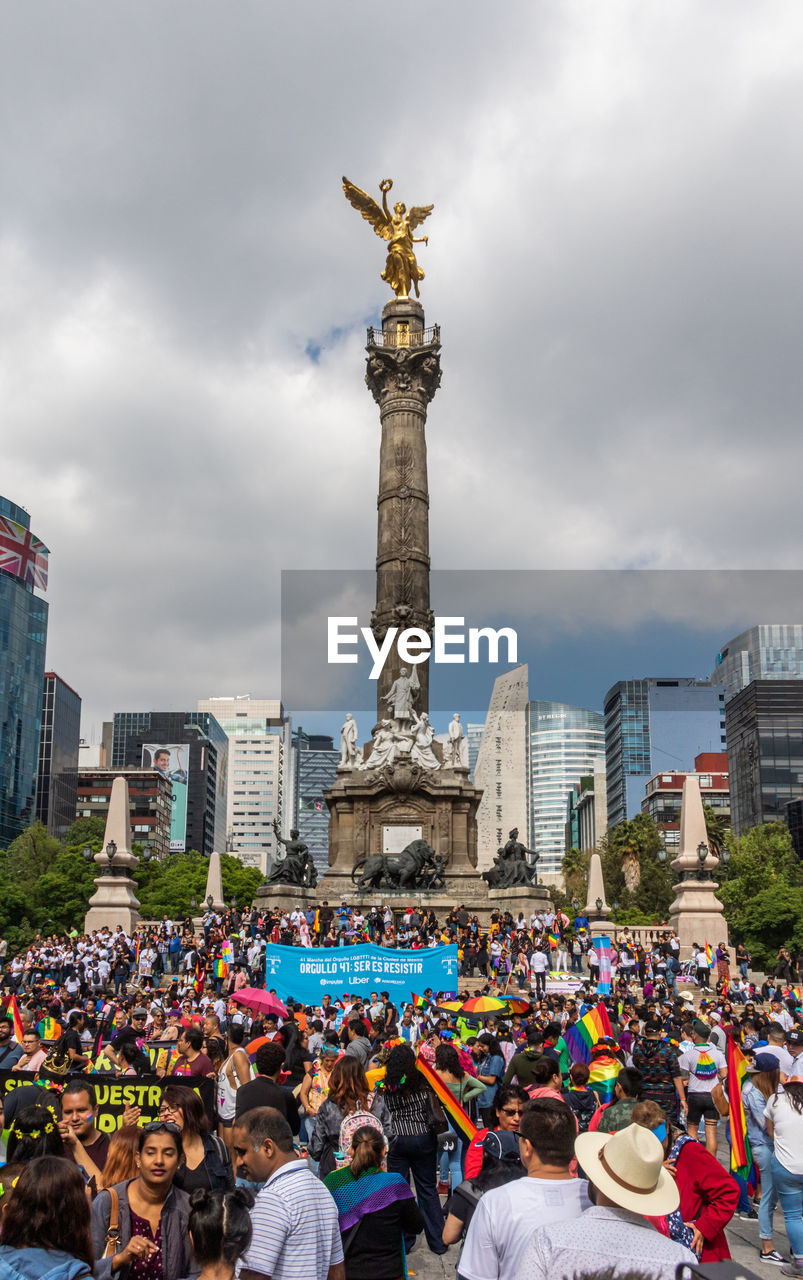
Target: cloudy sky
[614, 259]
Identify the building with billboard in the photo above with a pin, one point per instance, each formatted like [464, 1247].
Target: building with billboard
[663, 792]
[765, 751]
[261, 774]
[316, 760]
[190, 749]
[150, 797]
[23, 633]
[656, 725]
[769, 651]
[563, 743]
[59, 736]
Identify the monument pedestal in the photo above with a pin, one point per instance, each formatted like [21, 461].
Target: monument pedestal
[696, 914]
[284, 897]
[114, 902]
[520, 898]
[382, 811]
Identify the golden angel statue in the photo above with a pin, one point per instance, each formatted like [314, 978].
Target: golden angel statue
[401, 269]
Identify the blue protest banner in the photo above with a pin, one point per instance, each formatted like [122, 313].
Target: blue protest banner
[308, 973]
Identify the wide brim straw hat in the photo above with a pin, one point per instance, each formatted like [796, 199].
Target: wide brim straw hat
[627, 1167]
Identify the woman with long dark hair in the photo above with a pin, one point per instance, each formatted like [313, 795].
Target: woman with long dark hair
[784, 1116]
[416, 1116]
[465, 1088]
[206, 1162]
[46, 1223]
[376, 1210]
[34, 1132]
[150, 1241]
[757, 1090]
[349, 1092]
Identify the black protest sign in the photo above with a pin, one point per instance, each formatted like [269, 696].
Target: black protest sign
[115, 1093]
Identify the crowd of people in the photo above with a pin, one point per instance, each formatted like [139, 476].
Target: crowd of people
[333, 1139]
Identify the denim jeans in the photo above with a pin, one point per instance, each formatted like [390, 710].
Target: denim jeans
[416, 1153]
[789, 1188]
[769, 1196]
[451, 1162]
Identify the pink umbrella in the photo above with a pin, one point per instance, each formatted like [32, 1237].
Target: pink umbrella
[261, 1001]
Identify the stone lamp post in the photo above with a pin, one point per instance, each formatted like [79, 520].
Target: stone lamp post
[114, 901]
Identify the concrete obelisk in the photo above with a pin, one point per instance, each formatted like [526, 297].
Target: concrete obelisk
[696, 914]
[115, 901]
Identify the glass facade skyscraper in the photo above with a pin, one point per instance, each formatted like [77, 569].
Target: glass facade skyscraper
[765, 751]
[562, 744]
[770, 651]
[655, 725]
[23, 637]
[57, 784]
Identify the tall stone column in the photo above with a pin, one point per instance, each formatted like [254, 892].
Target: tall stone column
[403, 373]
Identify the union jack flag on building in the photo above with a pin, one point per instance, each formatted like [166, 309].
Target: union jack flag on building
[23, 555]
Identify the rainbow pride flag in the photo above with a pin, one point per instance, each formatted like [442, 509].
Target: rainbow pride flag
[461, 1121]
[221, 969]
[227, 953]
[554, 938]
[12, 1007]
[48, 1029]
[603, 1072]
[741, 1155]
[581, 1038]
[199, 980]
[709, 955]
[419, 1002]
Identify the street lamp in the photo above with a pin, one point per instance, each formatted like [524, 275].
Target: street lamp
[724, 855]
[209, 901]
[598, 905]
[575, 905]
[111, 850]
[147, 853]
[702, 854]
[662, 853]
[233, 902]
[193, 903]
[87, 853]
[615, 906]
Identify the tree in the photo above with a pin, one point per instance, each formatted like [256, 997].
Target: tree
[761, 891]
[86, 831]
[633, 841]
[717, 829]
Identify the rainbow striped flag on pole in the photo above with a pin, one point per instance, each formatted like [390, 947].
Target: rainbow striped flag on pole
[554, 938]
[12, 1007]
[461, 1121]
[603, 1072]
[709, 956]
[581, 1038]
[741, 1155]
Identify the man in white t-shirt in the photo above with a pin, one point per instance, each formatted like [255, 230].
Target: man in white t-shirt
[539, 966]
[705, 1066]
[776, 1037]
[505, 1217]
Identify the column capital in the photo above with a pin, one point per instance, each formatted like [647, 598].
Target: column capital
[403, 377]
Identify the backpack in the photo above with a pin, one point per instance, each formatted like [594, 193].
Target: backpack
[357, 1120]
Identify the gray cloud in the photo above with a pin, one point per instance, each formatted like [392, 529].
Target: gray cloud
[614, 259]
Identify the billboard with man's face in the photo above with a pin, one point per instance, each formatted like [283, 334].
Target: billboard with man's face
[173, 762]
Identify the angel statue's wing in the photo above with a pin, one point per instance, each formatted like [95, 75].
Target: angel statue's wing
[368, 207]
[417, 214]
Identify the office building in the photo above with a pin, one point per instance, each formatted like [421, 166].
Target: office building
[663, 793]
[315, 760]
[59, 736]
[150, 796]
[500, 771]
[769, 651]
[23, 637]
[794, 821]
[474, 734]
[191, 749]
[261, 779]
[563, 742]
[587, 809]
[656, 725]
[765, 751]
